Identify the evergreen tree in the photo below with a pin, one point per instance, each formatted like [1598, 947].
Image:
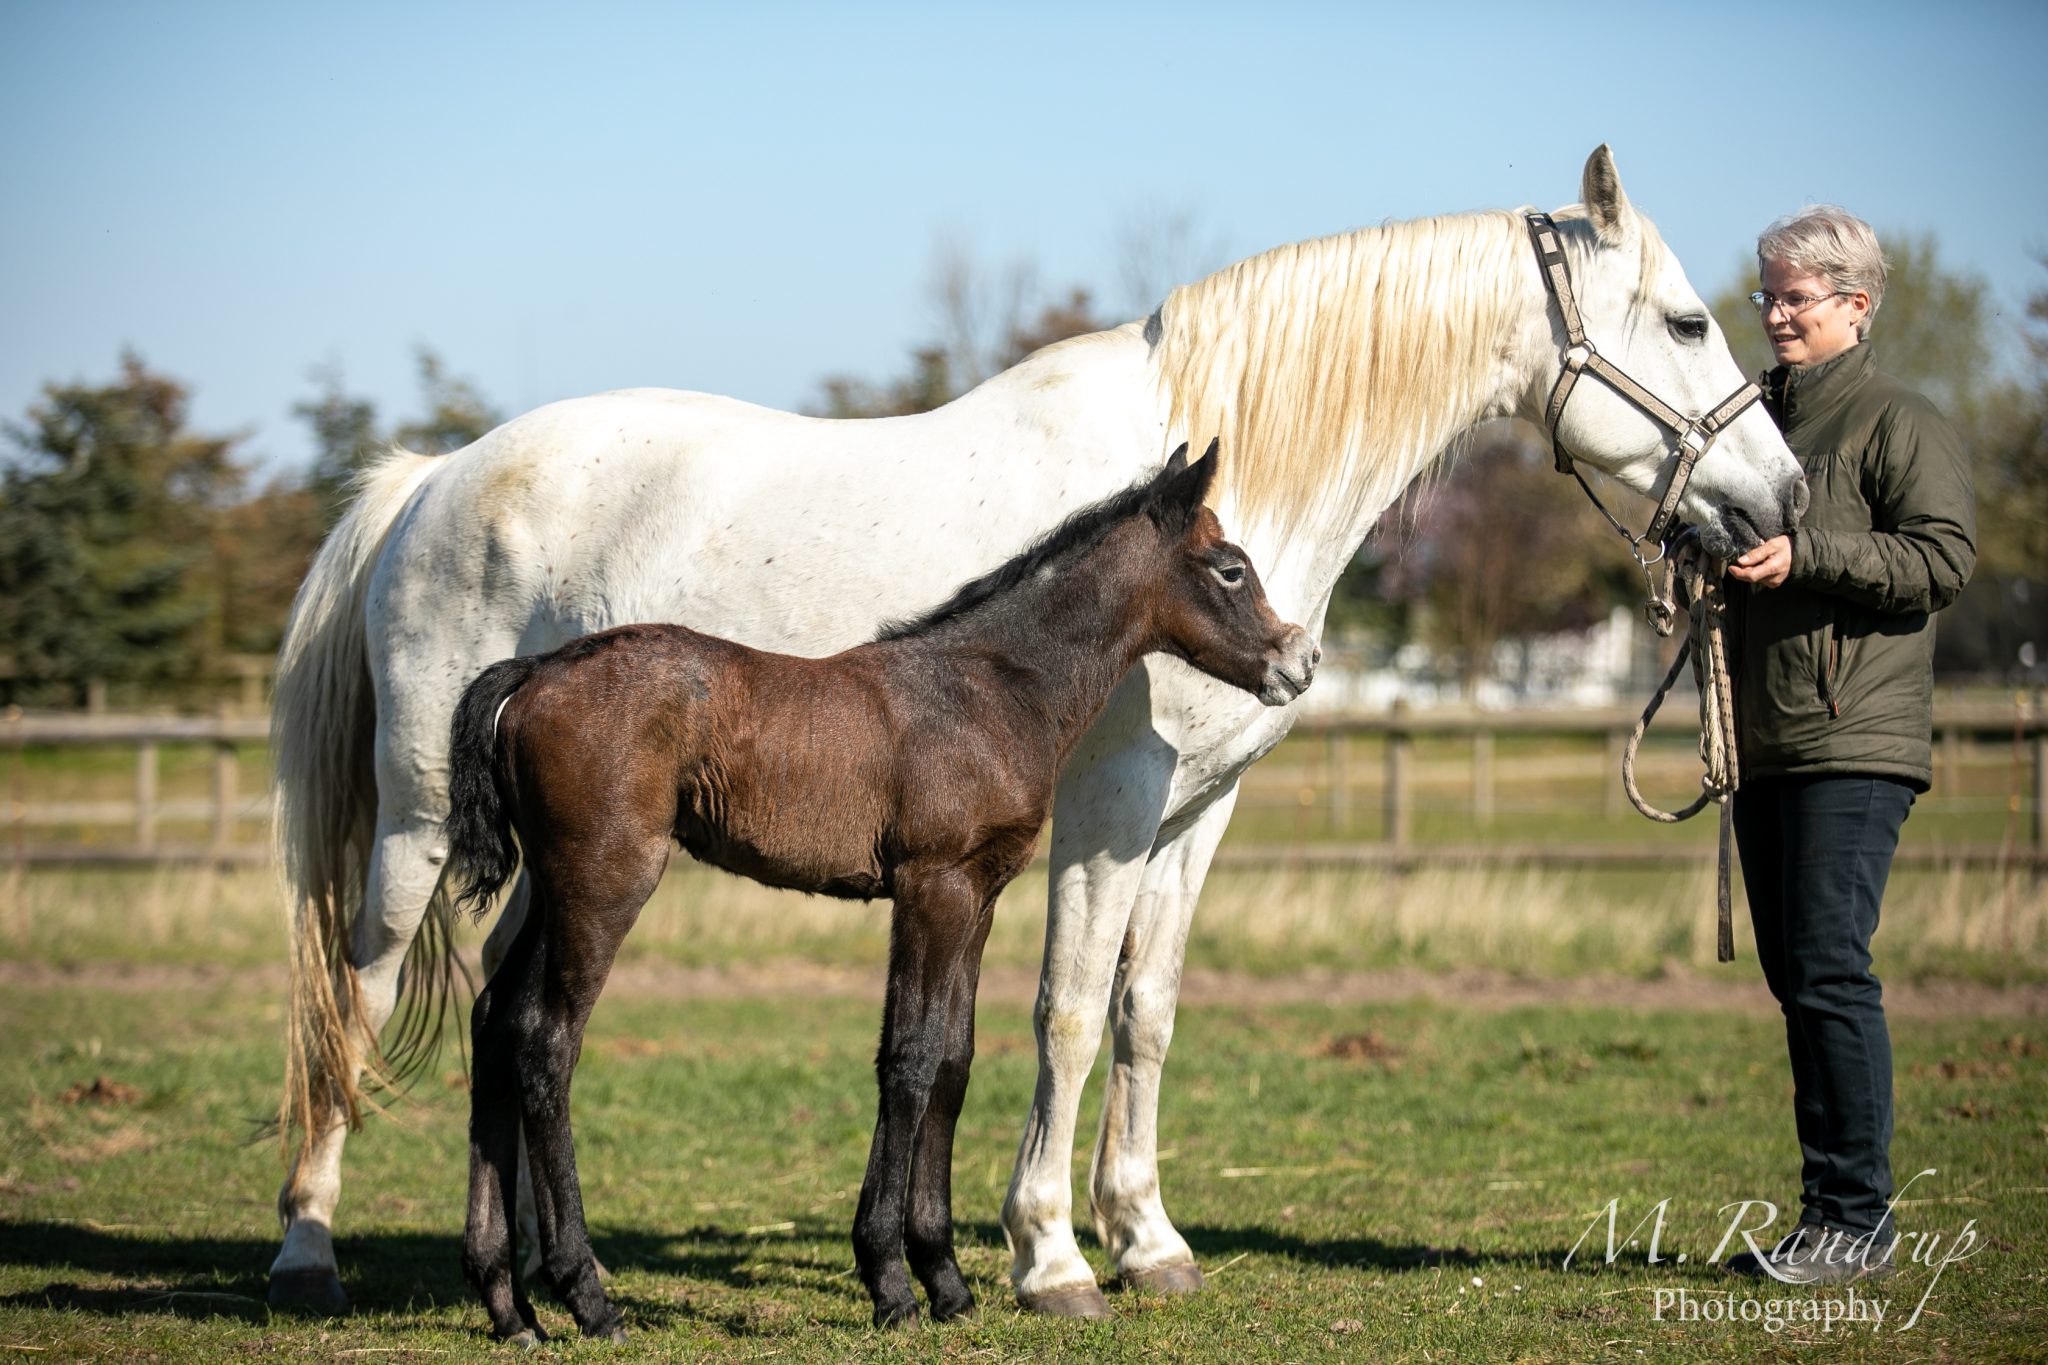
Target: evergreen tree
[107, 523]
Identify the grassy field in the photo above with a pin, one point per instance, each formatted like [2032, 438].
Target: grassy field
[1366, 1180]
[1396, 1102]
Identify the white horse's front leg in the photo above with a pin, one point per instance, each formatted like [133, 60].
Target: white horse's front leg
[1104, 820]
[1143, 1245]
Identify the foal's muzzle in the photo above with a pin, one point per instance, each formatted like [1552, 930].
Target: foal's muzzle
[1291, 669]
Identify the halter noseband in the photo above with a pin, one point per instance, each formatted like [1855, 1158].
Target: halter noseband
[1694, 435]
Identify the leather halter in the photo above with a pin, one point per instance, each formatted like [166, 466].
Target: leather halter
[1694, 435]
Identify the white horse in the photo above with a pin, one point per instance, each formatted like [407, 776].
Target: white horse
[1334, 370]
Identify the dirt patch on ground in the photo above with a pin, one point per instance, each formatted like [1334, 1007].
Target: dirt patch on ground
[1737, 988]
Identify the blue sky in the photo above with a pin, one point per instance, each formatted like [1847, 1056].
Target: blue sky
[743, 199]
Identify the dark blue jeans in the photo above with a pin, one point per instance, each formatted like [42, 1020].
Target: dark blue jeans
[1816, 852]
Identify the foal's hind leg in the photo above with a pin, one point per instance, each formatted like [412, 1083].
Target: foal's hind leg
[928, 1227]
[935, 918]
[583, 916]
[497, 944]
[489, 1246]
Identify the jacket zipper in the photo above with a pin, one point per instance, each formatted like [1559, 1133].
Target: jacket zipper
[1828, 679]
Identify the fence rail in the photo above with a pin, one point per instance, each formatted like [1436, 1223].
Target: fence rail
[227, 811]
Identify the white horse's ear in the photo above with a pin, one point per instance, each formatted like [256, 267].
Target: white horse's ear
[1607, 207]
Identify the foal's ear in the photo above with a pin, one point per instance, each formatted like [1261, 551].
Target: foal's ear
[1607, 207]
[1181, 487]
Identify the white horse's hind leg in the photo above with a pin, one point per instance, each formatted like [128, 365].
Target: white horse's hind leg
[1104, 821]
[404, 870]
[1130, 1218]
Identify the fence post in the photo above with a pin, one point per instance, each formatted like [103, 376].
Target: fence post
[2040, 796]
[1338, 747]
[224, 773]
[1396, 795]
[1482, 776]
[145, 793]
[1951, 759]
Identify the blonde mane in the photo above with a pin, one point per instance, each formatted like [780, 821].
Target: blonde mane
[1373, 348]
[1364, 346]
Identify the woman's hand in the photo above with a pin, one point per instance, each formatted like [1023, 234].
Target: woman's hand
[1766, 565]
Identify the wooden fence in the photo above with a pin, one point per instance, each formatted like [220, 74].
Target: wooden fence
[232, 817]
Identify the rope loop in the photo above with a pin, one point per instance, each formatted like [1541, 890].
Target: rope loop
[1693, 579]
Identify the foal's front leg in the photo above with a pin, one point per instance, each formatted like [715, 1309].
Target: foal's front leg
[928, 1227]
[934, 919]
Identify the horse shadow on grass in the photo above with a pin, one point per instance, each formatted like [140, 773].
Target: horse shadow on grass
[419, 1273]
[402, 1272]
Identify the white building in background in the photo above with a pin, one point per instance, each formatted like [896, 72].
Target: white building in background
[1613, 663]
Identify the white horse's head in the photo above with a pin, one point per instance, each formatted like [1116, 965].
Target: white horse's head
[1646, 318]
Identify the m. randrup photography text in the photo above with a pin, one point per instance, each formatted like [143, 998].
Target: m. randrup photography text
[1853, 1310]
[1747, 1225]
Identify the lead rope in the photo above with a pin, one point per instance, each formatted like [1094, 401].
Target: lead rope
[1694, 579]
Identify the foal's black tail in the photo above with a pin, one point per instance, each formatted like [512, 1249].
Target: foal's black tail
[481, 849]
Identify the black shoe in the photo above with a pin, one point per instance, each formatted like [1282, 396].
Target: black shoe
[1817, 1255]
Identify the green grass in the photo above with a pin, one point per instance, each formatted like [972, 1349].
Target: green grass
[1390, 1181]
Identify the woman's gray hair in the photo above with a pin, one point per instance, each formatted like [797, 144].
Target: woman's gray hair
[1834, 244]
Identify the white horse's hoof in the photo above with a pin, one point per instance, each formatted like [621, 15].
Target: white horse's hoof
[1183, 1277]
[309, 1289]
[1075, 1301]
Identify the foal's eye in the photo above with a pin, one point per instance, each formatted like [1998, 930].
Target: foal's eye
[1692, 327]
[1229, 575]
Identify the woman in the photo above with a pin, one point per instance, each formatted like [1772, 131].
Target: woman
[1834, 708]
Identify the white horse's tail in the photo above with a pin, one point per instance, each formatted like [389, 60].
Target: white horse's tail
[323, 726]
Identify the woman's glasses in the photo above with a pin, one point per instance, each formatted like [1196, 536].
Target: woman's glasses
[1793, 304]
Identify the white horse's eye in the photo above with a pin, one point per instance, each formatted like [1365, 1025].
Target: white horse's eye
[1692, 327]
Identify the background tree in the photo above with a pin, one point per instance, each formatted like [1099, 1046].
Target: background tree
[456, 412]
[110, 512]
[344, 439]
[986, 324]
[1496, 546]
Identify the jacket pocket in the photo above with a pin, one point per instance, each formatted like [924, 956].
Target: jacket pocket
[1826, 644]
[1831, 671]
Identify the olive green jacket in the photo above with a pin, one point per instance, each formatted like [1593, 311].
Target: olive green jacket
[1835, 668]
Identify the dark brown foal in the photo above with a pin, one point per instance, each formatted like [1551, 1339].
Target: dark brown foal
[919, 767]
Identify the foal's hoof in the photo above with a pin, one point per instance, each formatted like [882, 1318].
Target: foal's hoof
[1076, 1301]
[1184, 1277]
[966, 1312]
[309, 1289]
[529, 1340]
[898, 1319]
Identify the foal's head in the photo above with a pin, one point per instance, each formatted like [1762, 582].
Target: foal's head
[1207, 604]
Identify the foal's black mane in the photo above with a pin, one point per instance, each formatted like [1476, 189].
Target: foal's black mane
[1079, 532]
